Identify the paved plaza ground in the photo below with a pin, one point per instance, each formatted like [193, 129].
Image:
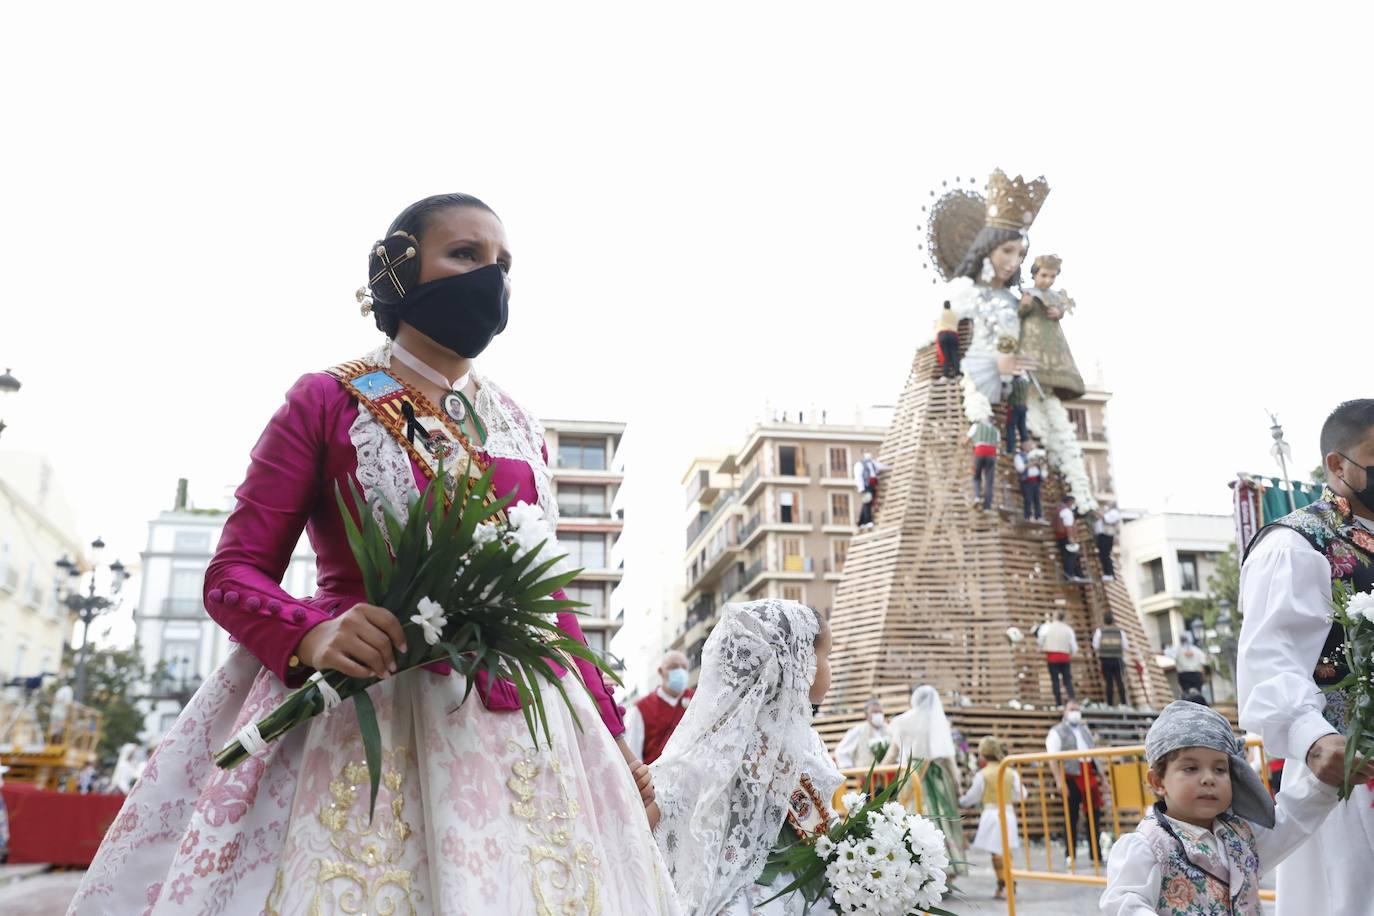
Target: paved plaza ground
[34, 891]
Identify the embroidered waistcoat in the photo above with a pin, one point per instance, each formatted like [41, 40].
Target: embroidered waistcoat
[660, 720]
[1330, 527]
[1194, 881]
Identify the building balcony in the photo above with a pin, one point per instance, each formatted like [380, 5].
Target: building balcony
[832, 571]
[9, 580]
[793, 569]
[703, 522]
[177, 689]
[182, 609]
[751, 482]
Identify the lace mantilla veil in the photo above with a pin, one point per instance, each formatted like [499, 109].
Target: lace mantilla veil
[923, 731]
[724, 778]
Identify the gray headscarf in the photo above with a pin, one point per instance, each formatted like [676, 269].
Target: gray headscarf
[1186, 724]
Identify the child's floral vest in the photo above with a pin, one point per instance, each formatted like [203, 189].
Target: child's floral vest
[1195, 883]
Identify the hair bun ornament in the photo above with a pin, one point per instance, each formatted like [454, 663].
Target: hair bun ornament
[393, 269]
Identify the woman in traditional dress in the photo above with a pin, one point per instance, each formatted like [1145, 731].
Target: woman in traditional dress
[984, 791]
[923, 734]
[470, 817]
[744, 756]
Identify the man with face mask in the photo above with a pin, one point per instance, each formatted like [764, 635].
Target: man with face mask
[1289, 652]
[855, 749]
[650, 722]
[1079, 778]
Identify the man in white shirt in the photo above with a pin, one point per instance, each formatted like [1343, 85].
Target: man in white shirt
[1105, 528]
[651, 721]
[855, 748]
[1078, 777]
[1287, 656]
[1060, 645]
[1189, 661]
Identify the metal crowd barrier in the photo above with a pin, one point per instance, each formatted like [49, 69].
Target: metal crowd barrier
[855, 780]
[1130, 794]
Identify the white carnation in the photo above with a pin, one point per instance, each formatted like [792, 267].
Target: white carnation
[484, 534]
[1361, 605]
[853, 801]
[526, 515]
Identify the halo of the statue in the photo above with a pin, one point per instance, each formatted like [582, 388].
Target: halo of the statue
[955, 220]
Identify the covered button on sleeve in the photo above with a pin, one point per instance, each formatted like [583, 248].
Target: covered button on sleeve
[253, 603]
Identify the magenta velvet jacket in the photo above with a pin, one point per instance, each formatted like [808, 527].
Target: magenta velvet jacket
[290, 486]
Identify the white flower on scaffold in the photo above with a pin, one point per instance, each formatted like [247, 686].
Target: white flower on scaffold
[1014, 635]
[431, 619]
[1361, 605]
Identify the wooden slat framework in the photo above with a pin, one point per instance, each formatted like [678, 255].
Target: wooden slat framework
[928, 594]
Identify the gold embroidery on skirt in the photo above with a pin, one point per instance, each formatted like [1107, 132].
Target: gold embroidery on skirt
[560, 868]
[364, 878]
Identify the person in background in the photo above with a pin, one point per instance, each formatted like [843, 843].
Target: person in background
[1079, 778]
[1064, 520]
[983, 791]
[866, 471]
[1059, 643]
[1105, 528]
[1018, 390]
[1030, 470]
[947, 337]
[1189, 661]
[1111, 645]
[651, 721]
[858, 749]
[984, 437]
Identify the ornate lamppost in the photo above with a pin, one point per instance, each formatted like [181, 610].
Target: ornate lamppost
[8, 385]
[88, 606]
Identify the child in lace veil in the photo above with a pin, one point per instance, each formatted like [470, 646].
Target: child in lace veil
[724, 780]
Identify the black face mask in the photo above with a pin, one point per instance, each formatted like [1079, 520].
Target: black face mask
[463, 312]
[1365, 496]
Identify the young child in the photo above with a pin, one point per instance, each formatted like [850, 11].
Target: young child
[989, 835]
[744, 755]
[1214, 831]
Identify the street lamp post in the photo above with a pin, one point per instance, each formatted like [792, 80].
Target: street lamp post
[1282, 452]
[88, 606]
[8, 385]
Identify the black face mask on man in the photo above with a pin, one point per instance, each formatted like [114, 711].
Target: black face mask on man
[462, 313]
[1366, 495]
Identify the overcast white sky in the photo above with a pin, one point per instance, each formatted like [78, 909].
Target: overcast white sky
[710, 208]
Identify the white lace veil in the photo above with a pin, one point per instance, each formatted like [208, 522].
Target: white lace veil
[923, 730]
[724, 778]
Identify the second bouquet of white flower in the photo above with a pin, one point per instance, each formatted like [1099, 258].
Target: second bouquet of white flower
[472, 583]
[879, 861]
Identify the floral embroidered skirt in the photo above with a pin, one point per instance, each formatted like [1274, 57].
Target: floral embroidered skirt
[470, 817]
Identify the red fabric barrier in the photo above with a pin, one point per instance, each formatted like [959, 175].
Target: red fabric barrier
[59, 828]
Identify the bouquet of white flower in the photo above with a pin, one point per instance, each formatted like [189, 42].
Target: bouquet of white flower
[1014, 635]
[473, 581]
[1353, 695]
[878, 748]
[879, 861]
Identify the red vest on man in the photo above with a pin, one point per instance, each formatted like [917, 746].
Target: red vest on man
[659, 721]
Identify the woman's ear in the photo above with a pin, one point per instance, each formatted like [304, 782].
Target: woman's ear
[1156, 783]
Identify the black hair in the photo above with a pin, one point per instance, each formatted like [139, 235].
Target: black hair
[987, 240]
[1194, 697]
[415, 220]
[1107, 618]
[1347, 425]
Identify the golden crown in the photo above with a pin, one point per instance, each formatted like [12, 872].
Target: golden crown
[1014, 202]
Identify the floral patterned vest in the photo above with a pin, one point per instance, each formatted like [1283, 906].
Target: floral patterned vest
[1194, 881]
[1331, 529]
